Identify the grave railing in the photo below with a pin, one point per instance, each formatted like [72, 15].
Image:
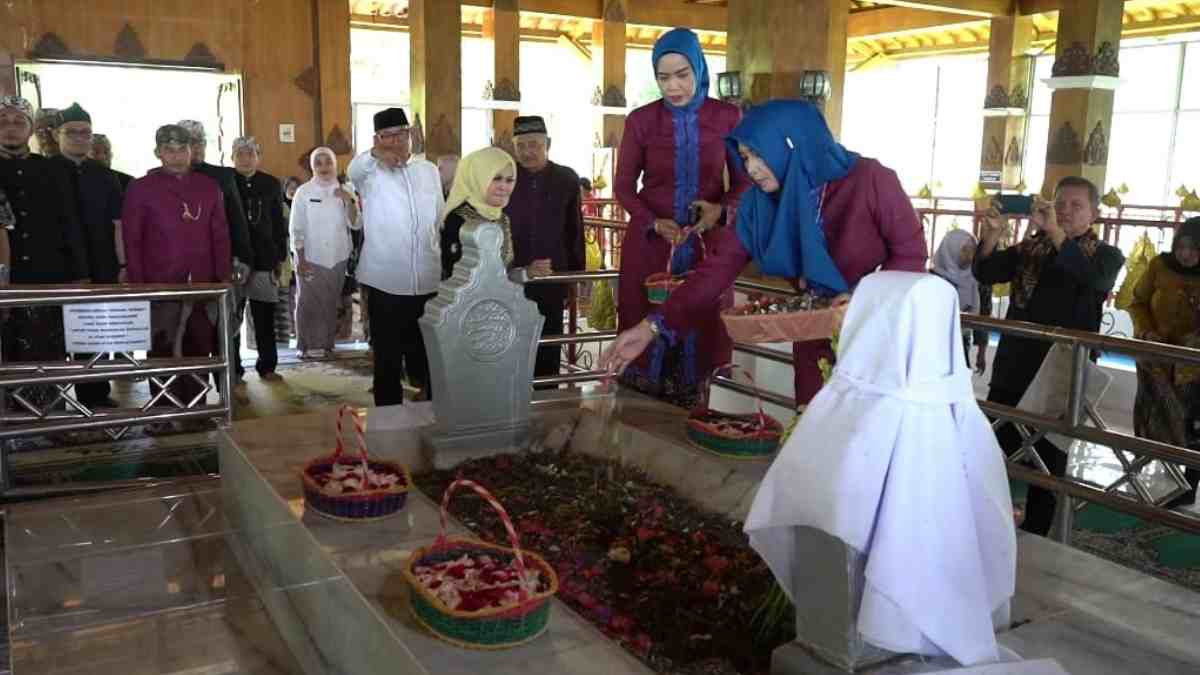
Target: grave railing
[37, 399]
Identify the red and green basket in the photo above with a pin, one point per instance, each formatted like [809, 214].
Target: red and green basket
[734, 435]
[374, 503]
[489, 628]
[660, 285]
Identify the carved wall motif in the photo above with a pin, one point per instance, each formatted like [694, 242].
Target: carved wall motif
[1018, 98]
[50, 45]
[504, 141]
[996, 98]
[1107, 62]
[129, 45]
[994, 156]
[614, 98]
[506, 90]
[307, 81]
[201, 55]
[1013, 156]
[614, 10]
[442, 137]
[1065, 146]
[338, 141]
[1074, 60]
[1096, 152]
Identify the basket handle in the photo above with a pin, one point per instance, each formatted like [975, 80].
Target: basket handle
[687, 232]
[504, 518]
[359, 433]
[758, 401]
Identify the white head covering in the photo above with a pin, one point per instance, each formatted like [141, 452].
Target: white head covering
[894, 457]
[945, 265]
[312, 162]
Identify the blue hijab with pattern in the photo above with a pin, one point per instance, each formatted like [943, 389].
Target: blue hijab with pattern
[783, 230]
[686, 121]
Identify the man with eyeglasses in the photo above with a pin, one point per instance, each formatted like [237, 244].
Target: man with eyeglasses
[399, 267]
[98, 199]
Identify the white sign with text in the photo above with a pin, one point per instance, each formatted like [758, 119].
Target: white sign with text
[107, 326]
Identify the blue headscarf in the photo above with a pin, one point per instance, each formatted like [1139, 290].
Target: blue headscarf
[686, 121]
[783, 231]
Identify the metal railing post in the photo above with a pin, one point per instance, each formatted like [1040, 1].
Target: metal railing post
[227, 355]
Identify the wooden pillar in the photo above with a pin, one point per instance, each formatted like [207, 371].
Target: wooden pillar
[436, 36]
[502, 25]
[608, 56]
[772, 43]
[8, 74]
[1006, 106]
[1089, 39]
[331, 42]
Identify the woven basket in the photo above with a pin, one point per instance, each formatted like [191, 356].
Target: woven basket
[703, 431]
[492, 628]
[815, 324]
[660, 285]
[360, 506]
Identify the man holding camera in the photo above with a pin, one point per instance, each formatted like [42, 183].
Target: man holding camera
[1061, 274]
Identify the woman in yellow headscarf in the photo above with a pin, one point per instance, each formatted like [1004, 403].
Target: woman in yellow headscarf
[482, 185]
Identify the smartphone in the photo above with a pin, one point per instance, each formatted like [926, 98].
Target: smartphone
[694, 213]
[1017, 205]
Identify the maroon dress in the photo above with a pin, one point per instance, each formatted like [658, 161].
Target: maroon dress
[869, 224]
[648, 153]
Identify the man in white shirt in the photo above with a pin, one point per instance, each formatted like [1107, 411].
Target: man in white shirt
[400, 268]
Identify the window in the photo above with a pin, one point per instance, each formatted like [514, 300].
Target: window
[937, 104]
[1155, 129]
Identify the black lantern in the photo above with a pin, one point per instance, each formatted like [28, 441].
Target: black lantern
[729, 85]
[816, 86]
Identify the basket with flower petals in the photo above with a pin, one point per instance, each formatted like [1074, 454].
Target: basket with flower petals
[358, 489]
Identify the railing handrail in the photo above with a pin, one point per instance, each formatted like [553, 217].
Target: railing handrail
[60, 294]
[18, 423]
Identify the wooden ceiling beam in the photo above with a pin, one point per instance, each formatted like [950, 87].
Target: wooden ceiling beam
[668, 13]
[979, 8]
[897, 20]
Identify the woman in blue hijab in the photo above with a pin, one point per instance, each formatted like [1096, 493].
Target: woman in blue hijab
[675, 148]
[817, 214]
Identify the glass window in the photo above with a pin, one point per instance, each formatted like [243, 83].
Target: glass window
[1040, 103]
[1036, 137]
[1149, 77]
[1190, 100]
[907, 91]
[379, 66]
[557, 83]
[1186, 170]
[1137, 156]
[958, 140]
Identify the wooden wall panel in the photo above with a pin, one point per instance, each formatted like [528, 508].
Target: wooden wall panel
[269, 42]
[278, 51]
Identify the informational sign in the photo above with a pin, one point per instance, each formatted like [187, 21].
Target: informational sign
[107, 326]
[989, 177]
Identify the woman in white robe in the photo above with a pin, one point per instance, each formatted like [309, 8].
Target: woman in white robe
[894, 457]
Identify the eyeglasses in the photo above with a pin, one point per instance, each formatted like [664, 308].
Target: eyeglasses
[393, 135]
[80, 134]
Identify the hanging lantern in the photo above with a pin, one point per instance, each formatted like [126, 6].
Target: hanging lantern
[816, 86]
[729, 85]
